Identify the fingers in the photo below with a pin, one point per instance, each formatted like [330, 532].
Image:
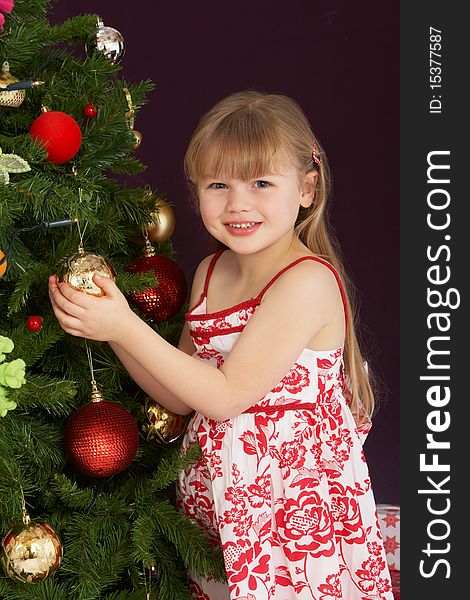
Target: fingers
[66, 299]
[106, 284]
[68, 323]
[76, 297]
[66, 320]
[83, 315]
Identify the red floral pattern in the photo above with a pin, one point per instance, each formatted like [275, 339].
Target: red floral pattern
[389, 521]
[295, 380]
[305, 526]
[285, 492]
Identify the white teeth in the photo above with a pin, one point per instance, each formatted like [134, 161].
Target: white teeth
[241, 225]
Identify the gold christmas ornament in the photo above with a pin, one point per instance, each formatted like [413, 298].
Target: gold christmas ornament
[31, 552]
[13, 98]
[138, 139]
[80, 268]
[162, 225]
[161, 424]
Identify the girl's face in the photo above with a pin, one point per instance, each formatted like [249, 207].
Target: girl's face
[249, 216]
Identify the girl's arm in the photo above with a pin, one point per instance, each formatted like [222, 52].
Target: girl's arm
[300, 303]
[148, 383]
[145, 380]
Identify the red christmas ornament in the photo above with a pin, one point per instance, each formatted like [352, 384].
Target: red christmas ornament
[162, 302]
[34, 323]
[90, 111]
[60, 135]
[101, 438]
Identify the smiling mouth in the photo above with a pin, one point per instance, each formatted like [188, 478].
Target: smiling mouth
[242, 225]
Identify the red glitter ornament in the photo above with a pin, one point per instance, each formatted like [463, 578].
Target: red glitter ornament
[101, 438]
[34, 323]
[162, 302]
[90, 111]
[60, 135]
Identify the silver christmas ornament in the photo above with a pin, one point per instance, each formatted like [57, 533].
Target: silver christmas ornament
[108, 41]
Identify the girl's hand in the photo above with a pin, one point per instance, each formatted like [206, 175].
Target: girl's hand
[83, 315]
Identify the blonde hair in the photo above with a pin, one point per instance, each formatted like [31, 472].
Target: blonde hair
[249, 134]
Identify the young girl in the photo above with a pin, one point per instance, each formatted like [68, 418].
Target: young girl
[269, 362]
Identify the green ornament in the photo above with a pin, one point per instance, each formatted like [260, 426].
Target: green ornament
[12, 373]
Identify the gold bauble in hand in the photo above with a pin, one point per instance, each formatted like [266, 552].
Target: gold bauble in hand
[161, 424]
[80, 268]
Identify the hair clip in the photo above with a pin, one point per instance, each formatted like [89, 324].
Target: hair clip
[314, 154]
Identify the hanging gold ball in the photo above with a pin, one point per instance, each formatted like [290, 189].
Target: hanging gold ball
[161, 424]
[162, 225]
[80, 268]
[31, 552]
[138, 139]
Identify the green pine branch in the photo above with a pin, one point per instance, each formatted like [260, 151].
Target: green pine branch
[195, 549]
[36, 275]
[49, 589]
[170, 466]
[43, 340]
[56, 396]
[73, 30]
[172, 583]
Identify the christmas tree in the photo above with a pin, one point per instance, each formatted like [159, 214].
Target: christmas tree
[87, 507]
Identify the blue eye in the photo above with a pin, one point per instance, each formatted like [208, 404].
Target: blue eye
[217, 186]
[262, 184]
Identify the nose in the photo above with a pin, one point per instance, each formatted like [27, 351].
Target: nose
[237, 200]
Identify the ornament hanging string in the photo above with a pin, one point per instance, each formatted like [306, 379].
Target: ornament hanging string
[145, 231]
[80, 199]
[25, 518]
[81, 234]
[90, 362]
[96, 394]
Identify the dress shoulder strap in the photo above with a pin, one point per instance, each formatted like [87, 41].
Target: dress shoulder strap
[210, 269]
[317, 259]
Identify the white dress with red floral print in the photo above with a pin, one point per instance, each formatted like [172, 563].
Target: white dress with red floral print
[283, 487]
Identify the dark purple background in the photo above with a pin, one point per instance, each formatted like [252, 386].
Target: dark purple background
[340, 61]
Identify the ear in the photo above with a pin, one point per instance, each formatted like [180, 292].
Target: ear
[307, 188]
